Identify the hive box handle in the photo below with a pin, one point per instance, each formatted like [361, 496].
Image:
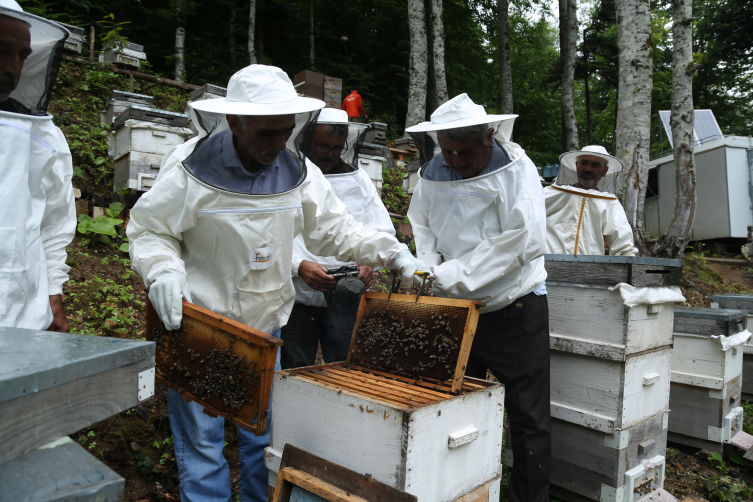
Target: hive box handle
[463, 436]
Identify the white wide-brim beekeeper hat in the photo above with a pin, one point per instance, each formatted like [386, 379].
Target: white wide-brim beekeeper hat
[259, 90]
[568, 173]
[41, 67]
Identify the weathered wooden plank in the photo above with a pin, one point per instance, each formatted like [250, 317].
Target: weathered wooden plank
[611, 270]
[601, 350]
[734, 302]
[62, 470]
[36, 419]
[155, 115]
[587, 313]
[655, 275]
[699, 360]
[605, 274]
[710, 322]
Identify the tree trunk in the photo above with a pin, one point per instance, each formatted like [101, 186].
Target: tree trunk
[589, 124]
[311, 54]
[440, 77]
[634, 109]
[568, 39]
[673, 243]
[231, 34]
[180, 42]
[251, 29]
[417, 70]
[505, 66]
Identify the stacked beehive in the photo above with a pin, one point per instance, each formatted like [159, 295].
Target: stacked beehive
[128, 55]
[206, 91]
[707, 365]
[118, 101]
[75, 42]
[744, 303]
[610, 375]
[141, 137]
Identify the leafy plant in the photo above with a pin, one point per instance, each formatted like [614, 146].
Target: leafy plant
[112, 36]
[104, 226]
[717, 461]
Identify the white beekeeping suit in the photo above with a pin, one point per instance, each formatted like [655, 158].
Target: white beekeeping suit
[37, 211]
[236, 248]
[578, 220]
[354, 189]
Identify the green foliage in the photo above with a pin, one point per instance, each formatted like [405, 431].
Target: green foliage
[718, 462]
[395, 200]
[112, 36]
[105, 226]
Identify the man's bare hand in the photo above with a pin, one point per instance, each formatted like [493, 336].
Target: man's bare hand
[315, 275]
[366, 275]
[59, 321]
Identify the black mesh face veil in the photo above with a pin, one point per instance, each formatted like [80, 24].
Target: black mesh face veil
[40, 69]
[354, 134]
[568, 171]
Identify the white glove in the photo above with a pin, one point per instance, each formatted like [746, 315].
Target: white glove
[166, 295]
[407, 264]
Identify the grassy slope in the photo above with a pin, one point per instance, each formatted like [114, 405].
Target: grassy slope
[104, 297]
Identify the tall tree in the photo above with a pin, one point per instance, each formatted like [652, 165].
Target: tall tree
[633, 128]
[180, 41]
[251, 30]
[568, 40]
[231, 33]
[673, 243]
[418, 63]
[311, 43]
[437, 45]
[505, 66]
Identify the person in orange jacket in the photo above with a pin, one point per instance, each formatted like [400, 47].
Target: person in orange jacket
[354, 106]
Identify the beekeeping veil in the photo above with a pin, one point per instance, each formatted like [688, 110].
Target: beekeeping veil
[41, 67]
[256, 90]
[336, 119]
[568, 173]
[457, 113]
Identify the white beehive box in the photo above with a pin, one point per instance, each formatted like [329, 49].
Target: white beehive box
[373, 166]
[129, 56]
[74, 44]
[118, 101]
[206, 91]
[439, 450]
[744, 303]
[607, 467]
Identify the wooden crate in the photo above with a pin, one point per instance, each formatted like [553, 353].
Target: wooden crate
[54, 384]
[417, 436]
[59, 471]
[609, 394]
[705, 418]
[698, 359]
[309, 83]
[333, 83]
[586, 317]
[608, 467]
[185, 355]
[154, 115]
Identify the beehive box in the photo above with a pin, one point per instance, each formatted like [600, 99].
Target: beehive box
[220, 363]
[119, 101]
[208, 91]
[593, 319]
[400, 408]
[129, 56]
[744, 303]
[607, 467]
[74, 44]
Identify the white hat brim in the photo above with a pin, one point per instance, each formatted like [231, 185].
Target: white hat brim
[454, 124]
[568, 160]
[225, 107]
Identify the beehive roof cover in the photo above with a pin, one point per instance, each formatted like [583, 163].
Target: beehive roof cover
[130, 97]
[73, 29]
[737, 298]
[209, 89]
[708, 313]
[624, 260]
[32, 361]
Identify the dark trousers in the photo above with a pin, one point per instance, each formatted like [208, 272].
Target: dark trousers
[307, 327]
[514, 344]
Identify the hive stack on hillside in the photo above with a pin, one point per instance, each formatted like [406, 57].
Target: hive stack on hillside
[707, 364]
[610, 375]
[744, 303]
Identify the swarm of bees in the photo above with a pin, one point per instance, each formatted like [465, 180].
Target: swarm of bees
[386, 341]
[224, 375]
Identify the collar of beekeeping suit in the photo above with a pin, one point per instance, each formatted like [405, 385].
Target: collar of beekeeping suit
[458, 112]
[260, 90]
[568, 173]
[41, 67]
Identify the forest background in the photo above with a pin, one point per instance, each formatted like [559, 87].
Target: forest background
[367, 43]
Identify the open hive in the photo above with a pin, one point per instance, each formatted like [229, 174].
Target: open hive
[221, 364]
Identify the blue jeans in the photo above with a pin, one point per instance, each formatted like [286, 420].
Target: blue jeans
[202, 469]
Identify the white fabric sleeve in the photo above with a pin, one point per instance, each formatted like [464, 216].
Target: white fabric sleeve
[58, 224]
[374, 206]
[157, 222]
[618, 233]
[298, 256]
[426, 241]
[330, 230]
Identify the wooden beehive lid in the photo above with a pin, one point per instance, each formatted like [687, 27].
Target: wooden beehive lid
[32, 361]
[75, 30]
[208, 89]
[155, 115]
[610, 270]
[707, 321]
[738, 302]
[123, 97]
[429, 339]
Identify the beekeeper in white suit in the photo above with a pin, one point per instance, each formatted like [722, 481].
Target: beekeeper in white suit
[37, 211]
[218, 228]
[581, 208]
[331, 145]
[479, 223]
